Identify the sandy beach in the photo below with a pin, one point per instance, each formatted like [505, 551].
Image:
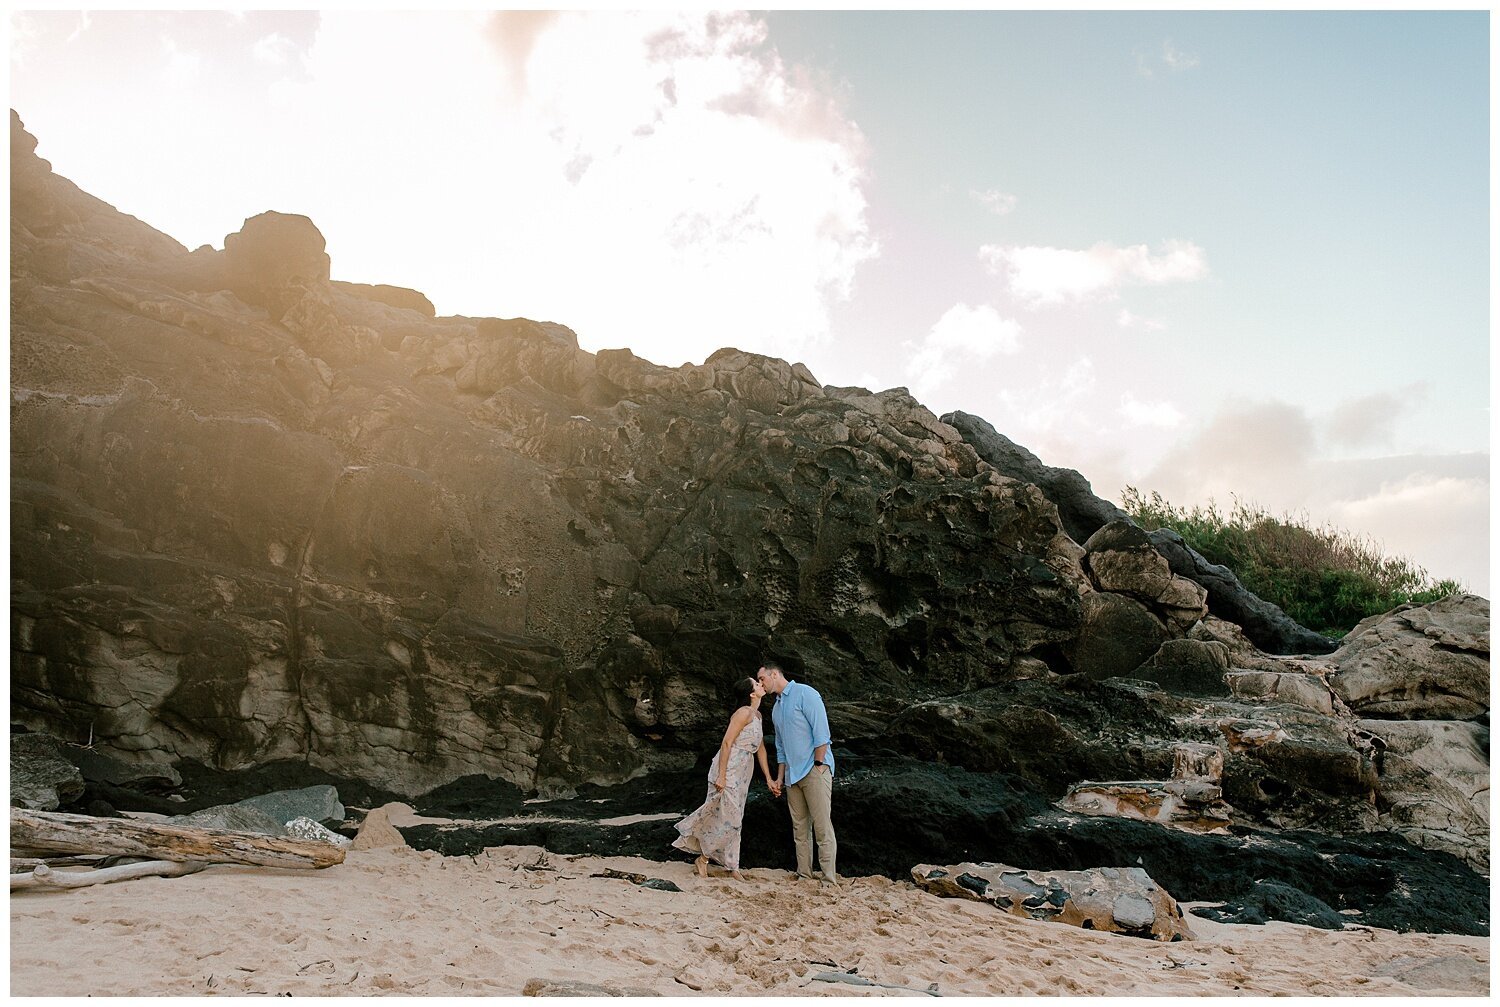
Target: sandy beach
[400, 921]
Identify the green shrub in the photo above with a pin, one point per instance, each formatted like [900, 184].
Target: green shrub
[1325, 578]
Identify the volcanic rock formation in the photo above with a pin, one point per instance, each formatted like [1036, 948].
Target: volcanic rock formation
[260, 516]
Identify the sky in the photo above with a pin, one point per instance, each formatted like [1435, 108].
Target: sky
[1205, 254]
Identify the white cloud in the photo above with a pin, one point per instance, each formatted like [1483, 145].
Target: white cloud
[1175, 59]
[964, 334]
[1129, 320]
[663, 181]
[1149, 414]
[680, 173]
[997, 202]
[1171, 58]
[275, 49]
[1045, 275]
[1370, 421]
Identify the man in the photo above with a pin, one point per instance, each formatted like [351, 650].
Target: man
[804, 767]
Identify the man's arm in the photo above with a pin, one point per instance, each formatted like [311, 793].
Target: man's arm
[817, 721]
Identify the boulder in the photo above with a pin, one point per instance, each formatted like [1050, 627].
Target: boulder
[1188, 667]
[41, 776]
[1427, 662]
[1434, 784]
[1271, 900]
[376, 830]
[306, 828]
[233, 817]
[271, 253]
[1113, 899]
[151, 775]
[319, 803]
[1117, 635]
[1121, 558]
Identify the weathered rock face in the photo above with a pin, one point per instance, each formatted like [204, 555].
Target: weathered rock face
[257, 515]
[41, 777]
[1434, 784]
[1120, 900]
[1428, 662]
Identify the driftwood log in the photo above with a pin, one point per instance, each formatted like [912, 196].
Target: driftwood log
[45, 877]
[56, 832]
[25, 865]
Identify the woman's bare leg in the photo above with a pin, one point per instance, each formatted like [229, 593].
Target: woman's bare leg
[702, 863]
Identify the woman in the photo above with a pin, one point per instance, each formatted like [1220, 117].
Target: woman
[713, 831]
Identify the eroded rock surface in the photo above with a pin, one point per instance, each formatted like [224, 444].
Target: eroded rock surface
[1418, 662]
[258, 515]
[41, 777]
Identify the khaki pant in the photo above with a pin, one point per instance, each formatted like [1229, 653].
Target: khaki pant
[810, 801]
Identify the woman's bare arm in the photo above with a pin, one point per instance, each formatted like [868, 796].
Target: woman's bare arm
[736, 725]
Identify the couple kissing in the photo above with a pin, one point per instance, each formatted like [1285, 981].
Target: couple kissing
[804, 773]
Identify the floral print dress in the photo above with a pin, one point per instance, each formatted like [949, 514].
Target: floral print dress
[713, 830]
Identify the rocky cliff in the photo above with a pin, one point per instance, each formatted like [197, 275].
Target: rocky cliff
[260, 515]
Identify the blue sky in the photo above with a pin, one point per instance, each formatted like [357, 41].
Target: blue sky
[1201, 253]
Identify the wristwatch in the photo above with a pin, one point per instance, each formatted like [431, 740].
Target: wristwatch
[819, 762]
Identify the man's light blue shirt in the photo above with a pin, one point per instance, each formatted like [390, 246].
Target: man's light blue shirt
[801, 726]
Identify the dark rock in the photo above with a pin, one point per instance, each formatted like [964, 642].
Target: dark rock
[150, 777]
[1188, 667]
[1049, 735]
[1117, 635]
[1270, 900]
[1082, 512]
[41, 777]
[233, 817]
[319, 803]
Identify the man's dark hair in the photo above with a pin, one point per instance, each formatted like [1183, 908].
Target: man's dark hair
[773, 666]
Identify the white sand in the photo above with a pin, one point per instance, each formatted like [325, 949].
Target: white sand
[398, 921]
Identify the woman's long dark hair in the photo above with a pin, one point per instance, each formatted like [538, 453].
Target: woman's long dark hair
[742, 689]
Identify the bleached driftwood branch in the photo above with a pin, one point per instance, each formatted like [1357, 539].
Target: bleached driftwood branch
[56, 832]
[45, 877]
